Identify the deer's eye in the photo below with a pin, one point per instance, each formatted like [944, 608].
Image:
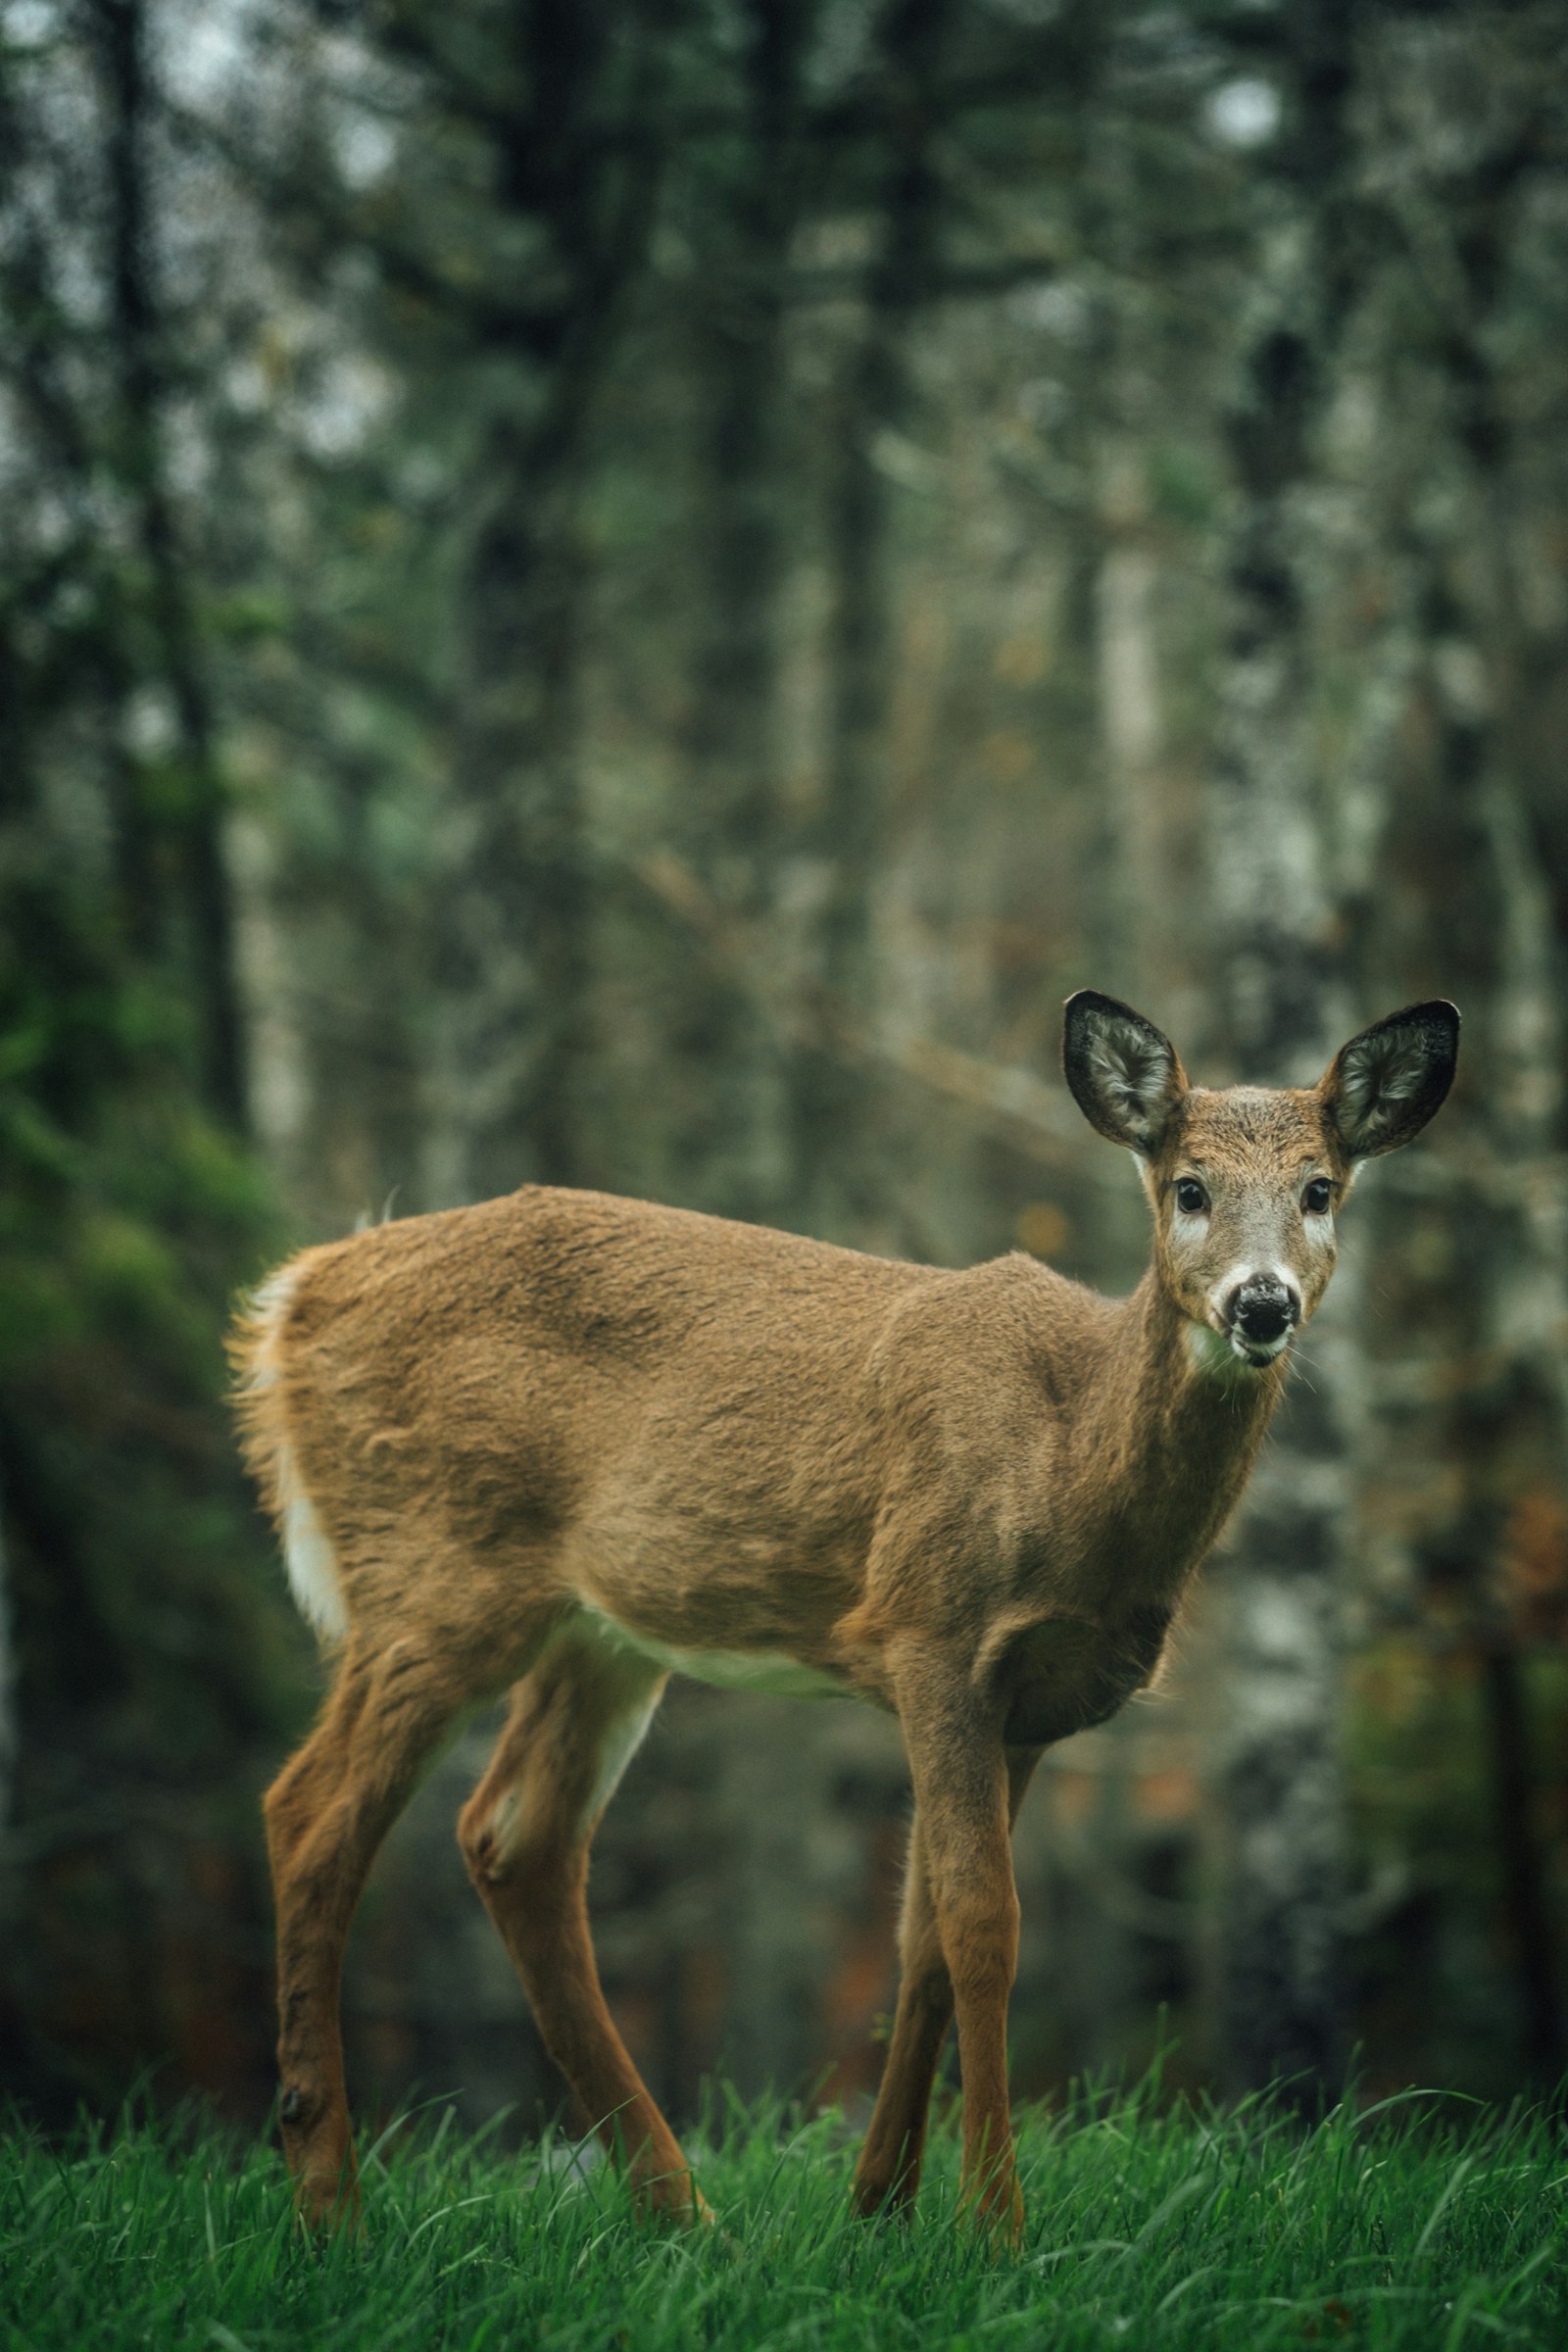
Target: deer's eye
[1190, 1198]
[1317, 1196]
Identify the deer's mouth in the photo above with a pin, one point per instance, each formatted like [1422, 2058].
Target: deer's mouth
[1222, 1354]
[1259, 1353]
[1226, 1348]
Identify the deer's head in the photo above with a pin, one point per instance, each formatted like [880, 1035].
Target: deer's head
[1245, 1182]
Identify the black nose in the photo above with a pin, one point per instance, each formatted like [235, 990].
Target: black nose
[1262, 1309]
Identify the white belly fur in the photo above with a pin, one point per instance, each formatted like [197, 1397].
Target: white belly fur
[767, 1670]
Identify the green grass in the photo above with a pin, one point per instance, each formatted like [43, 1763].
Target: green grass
[1423, 2223]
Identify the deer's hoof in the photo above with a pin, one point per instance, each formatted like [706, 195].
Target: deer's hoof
[326, 2203]
[878, 2200]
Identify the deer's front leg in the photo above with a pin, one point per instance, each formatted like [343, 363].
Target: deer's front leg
[959, 1768]
[888, 2173]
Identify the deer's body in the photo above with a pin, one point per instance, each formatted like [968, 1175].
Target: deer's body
[562, 1443]
[748, 1456]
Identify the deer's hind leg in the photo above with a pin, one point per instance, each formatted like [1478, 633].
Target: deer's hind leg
[327, 1813]
[574, 1724]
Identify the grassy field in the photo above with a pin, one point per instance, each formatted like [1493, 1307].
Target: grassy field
[1424, 2223]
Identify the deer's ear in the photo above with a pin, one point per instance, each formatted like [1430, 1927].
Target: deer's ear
[1124, 1075]
[1382, 1088]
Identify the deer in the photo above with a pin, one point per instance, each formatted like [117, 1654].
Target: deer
[559, 1446]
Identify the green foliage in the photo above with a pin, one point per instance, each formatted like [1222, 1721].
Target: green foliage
[1415, 2225]
[156, 1652]
[127, 1217]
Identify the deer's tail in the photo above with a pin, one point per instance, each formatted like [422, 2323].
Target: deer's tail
[257, 1350]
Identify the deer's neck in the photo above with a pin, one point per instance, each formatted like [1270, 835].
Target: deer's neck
[1168, 1438]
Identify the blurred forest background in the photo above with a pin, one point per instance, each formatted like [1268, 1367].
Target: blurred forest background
[631, 592]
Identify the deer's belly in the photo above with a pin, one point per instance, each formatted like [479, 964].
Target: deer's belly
[766, 1670]
[1065, 1675]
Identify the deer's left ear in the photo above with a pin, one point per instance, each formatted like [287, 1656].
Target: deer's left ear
[1382, 1088]
[1123, 1071]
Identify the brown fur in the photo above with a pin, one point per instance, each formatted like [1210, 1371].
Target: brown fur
[972, 1497]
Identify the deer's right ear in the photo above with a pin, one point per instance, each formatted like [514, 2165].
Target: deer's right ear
[1382, 1088]
[1123, 1072]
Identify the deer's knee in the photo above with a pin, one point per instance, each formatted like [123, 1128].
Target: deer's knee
[485, 1837]
[503, 1845]
[980, 1943]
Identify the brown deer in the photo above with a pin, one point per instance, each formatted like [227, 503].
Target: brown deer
[564, 1445]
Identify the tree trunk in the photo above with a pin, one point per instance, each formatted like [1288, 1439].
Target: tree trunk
[514, 954]
[729, 1140]
[515, 915]
[1285, 1008]
[834, 1108]
[204, 891]
[1506, 1300]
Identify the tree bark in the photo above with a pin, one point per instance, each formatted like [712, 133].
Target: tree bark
[1506, 1301]
[515, 918]
[1284, 1006]
[121, 27]
[515, 934]
[730, 1141]
[832, 1116]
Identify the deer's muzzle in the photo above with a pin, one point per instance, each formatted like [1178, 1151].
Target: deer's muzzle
[1261, 1315]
